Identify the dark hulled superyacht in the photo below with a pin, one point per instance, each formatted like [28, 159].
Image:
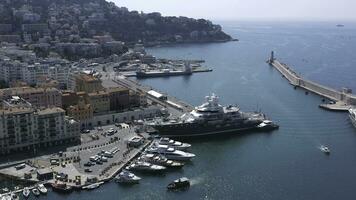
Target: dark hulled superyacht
[211, 118]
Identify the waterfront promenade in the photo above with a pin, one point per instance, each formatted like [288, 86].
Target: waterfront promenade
[343, 100]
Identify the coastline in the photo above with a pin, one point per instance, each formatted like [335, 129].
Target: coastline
[166, 44]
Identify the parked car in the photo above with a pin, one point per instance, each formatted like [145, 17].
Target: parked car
[86, 131]
[88, 170]
[89, 164]
[104, 159]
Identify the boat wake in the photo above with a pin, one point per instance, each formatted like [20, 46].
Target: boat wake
[196, 181]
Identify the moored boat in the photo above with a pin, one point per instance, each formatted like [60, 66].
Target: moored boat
[352, 115]
[161, 160]
[36, 192]
[42, 188]
[127, 177]
[6, 197]
[14, 196]
[175, 144]
[26, 192]
[267, 125]
[145, 166]
[209, 119]
[170, 152]
[92, 186]
[61, 187]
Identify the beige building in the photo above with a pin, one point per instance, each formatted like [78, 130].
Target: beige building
[119, 98]
[22, 127]
[38, 97]
[81, 112]
[100, 101]
[87, 83]
[137, 99]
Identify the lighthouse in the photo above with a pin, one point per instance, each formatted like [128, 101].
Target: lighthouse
[271, 59]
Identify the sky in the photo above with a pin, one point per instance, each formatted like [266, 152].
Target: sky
[323, 10]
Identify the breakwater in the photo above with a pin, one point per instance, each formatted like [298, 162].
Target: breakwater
[344, 99]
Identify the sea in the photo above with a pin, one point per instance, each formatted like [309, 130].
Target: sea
[283, 164]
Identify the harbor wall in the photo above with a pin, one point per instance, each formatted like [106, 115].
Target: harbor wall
[288, 73]
[311, 86]
[320, 90]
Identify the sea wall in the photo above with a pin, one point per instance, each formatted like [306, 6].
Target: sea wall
[311, 86]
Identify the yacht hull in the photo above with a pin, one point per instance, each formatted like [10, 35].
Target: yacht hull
[198, 130]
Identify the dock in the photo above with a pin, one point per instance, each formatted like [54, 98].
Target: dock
[171, 102]
[341, 100]
[159, 73]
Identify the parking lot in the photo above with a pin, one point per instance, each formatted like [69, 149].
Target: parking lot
[115, 143]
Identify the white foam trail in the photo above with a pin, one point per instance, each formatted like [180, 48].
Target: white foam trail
[196, 180]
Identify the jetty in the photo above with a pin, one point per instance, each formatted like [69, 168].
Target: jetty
[341, 100]
[165, 100]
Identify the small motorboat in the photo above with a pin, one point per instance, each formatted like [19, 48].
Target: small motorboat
[145, 166]
[175, 144]
[26, 192]
[6, 197]
[14, 196]
[61, 187]
[179, 184]
[127, 177]
[325, 149]
[5, 190]
[267, 125]
[42, 188]
[161, 160]
[36, 192]
[92, 186]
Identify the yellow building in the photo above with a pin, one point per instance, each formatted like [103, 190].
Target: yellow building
[82, 112]
[100, 101]
[87, 83]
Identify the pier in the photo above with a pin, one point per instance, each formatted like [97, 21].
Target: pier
[170, 102]
[342, 100]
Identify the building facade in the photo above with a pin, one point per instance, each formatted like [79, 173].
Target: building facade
[81, 112]
[22, 127]
[87, 83]
[38, 97]
[100, 101]
[119, 98]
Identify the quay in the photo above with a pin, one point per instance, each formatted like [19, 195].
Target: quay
[72, 160]
[342, 100]
[160, 73]
[168, 101]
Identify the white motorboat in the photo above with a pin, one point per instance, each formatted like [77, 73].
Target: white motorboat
[267, 125]
[352, 115]
[36, 192]
[161, 160]
[92, 186]
[145, 166]
[6, 197]
[171, 153]
[127, 177]
[26, 192]
[14, 196]
[325, 149]
[42, 188]
[175, 144]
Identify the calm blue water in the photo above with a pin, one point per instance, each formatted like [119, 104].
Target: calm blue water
[287, 163]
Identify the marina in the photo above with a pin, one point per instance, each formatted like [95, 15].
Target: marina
[116, 164]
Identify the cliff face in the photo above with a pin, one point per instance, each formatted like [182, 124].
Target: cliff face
[88, 18]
